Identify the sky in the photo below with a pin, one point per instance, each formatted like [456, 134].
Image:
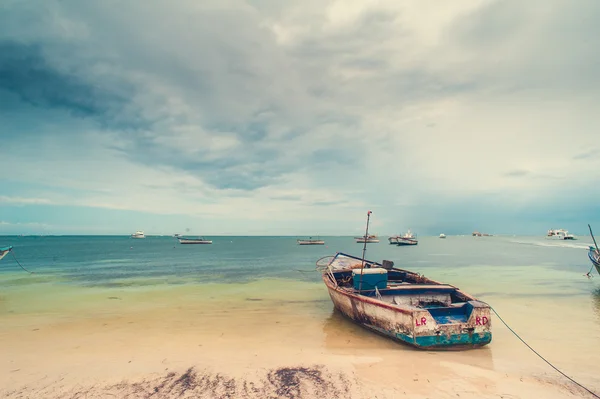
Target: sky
[265, 117]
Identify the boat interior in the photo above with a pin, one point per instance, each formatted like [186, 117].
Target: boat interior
[407, 290]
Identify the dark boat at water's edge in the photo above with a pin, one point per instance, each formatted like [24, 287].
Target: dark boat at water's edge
[594, 256]
[406, 306]
[4, 251]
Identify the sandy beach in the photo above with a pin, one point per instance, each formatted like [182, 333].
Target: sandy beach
[264, 339]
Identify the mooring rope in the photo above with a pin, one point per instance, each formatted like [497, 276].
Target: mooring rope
[21, 266]
[588, 274]
[542, 357]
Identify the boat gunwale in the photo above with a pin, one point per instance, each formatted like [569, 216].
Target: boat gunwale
[327, 279]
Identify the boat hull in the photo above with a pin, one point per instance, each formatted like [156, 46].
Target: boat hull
[403, 242]
[314, 242]
[415, 327]
[4, 251]
[595, 258]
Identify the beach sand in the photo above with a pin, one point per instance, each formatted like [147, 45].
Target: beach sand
[264, 339]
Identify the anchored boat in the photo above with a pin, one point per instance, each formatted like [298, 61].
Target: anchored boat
[406, 306]
[367, 239]
[559, 234]
[594, 256]
[310, 241]
[406, 239]
[4, 251]
[199, 240]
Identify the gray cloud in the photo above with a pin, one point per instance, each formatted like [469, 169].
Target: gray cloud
[591, 154]
[25, 72]
[250, 97]
[517, 173]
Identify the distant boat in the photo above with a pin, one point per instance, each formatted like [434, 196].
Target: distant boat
[310, 241]
[138, 234]
[367, 239]
[4, 251]
[199, 240]
[404, 305]
[442, 235]
[176, 235]
[407, 239]
[559, 234]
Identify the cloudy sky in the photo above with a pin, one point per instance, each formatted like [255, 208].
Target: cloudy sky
[296, 117]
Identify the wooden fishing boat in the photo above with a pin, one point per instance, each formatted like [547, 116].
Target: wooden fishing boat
[4, 251]
[404, 305]
[193, 240]
[594, 256]
[311, 241]
[594, 252]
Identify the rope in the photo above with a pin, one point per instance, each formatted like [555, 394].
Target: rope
[541, 357]
[16, 260]
[588, 273]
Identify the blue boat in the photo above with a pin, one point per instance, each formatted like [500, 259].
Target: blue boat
[594, 252]
[404, 305]
[4, 251]
[594, 256]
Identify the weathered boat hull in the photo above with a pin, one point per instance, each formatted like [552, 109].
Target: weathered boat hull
[595, 258]
[417, 326]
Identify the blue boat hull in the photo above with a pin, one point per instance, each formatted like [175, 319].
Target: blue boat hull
[595, 258]
[439, 342]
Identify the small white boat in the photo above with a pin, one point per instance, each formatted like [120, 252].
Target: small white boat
[442, 235]
[367, 239]
[138, 234]
[311, 241]
[199, 240]
[559, 234]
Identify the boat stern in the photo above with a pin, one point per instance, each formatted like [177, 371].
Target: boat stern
[454, 327]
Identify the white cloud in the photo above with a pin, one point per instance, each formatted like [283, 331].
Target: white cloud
[272, 110]
[24, 201]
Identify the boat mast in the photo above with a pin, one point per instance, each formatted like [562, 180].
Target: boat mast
[362, 265]
[592, 234]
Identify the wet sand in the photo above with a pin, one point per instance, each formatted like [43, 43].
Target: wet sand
[266, 339]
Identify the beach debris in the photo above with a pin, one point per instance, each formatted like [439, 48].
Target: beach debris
[292, 382]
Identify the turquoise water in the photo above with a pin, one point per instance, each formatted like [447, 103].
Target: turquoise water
[109, 261]
[538, 286]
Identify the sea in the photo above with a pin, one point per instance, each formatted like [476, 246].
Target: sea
[538, 286]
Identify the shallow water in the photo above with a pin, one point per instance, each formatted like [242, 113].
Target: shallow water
[240, 285]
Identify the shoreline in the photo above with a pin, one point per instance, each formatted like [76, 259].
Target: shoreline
[245, 341]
